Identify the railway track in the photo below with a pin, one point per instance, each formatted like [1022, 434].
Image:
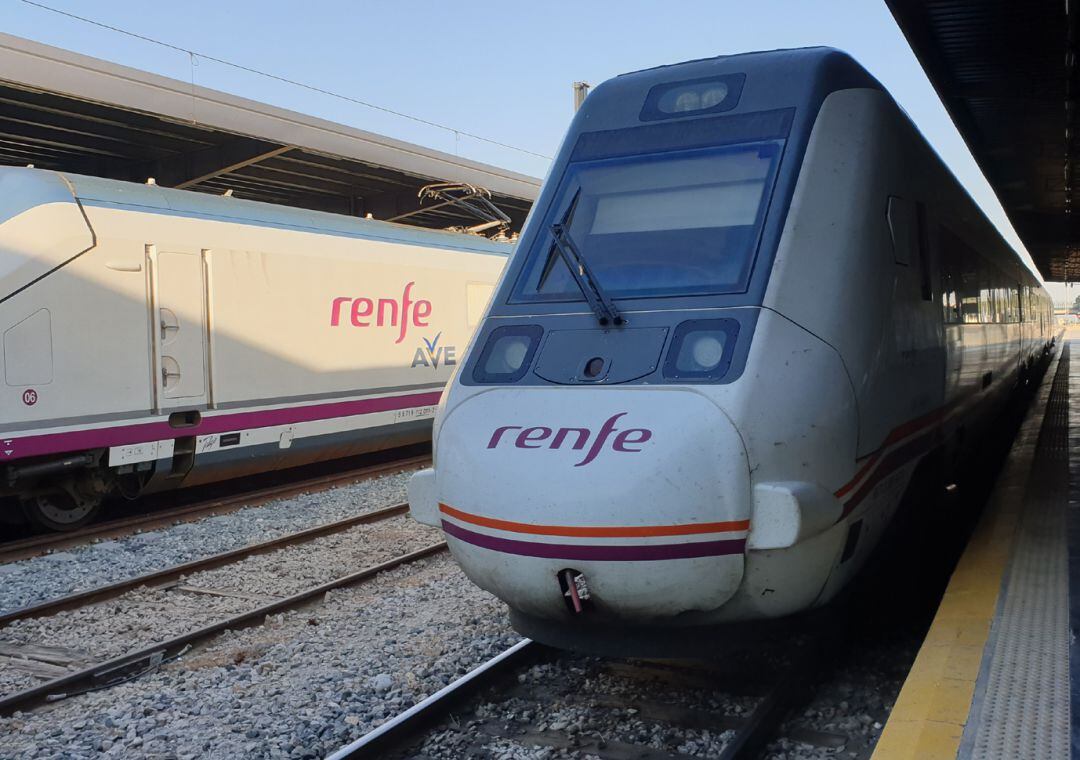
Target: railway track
[149, 657]
[170, 574]
[611, 709]
[508, 706]
[32, 546]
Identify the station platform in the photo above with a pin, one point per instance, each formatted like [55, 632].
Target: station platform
[993, 679]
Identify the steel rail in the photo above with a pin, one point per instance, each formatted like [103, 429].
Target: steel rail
[150, 657]
[395, 737]
[157, 578]
[398, 730]
[767, 717]
[32, 546]
[751, 732]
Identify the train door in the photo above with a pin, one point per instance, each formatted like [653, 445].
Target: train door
[178, 321]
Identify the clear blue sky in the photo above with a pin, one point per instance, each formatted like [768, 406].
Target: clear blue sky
[502, 70]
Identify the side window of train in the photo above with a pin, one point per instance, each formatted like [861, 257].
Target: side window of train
[994, 295]
[993, 310]
[972, 286]
[1004, 297]
[902, 229]
[950, 259]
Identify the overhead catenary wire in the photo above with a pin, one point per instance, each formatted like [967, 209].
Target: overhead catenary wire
[194, 55]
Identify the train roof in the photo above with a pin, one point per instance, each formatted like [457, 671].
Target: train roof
[801, 78]
[755, 59]
[22, 189]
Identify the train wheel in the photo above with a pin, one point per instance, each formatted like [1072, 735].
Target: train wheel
[61, 510]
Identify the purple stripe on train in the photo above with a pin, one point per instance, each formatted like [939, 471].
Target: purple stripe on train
[120, 435]
[612, 553]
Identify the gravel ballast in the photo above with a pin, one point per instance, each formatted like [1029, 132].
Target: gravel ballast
[577, 706]
[145, 616]
[301, 685]
[53, 575]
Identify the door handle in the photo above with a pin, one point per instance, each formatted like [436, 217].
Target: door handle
[168, 322]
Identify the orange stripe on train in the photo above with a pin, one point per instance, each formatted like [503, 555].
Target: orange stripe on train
[629, 531]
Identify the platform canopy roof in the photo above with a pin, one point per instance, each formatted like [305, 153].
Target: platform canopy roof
[65, 111]
[1007, 73]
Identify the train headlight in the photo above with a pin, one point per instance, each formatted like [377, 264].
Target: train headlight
[510, 352]
[706, 349]
[713, 96]
[693, 97]
[507, 354]
[686, 100]
[701, 349]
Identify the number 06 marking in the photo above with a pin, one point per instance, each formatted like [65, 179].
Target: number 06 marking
[29, 397]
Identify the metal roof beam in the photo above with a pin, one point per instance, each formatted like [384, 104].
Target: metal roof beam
[184, 170]
[14, 106]
[82, 143]
[329, 165]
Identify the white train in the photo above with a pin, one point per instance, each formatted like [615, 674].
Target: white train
[154, 338]
[749, 301]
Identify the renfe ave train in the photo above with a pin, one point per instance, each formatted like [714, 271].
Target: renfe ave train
[154, 338]
[749, 301]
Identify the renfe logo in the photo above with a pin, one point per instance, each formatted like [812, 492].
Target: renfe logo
[386, 312]
[530, 438]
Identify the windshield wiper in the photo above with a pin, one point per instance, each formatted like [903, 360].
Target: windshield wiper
[603, 307]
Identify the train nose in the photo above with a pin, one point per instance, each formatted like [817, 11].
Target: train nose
[637, 500]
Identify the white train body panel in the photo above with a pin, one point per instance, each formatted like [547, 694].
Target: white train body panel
[136, 316]
[712, 488]
[882, 318]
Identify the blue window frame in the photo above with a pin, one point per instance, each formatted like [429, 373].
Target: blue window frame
[683, 222]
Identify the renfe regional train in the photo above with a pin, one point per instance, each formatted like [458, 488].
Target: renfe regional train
[749, 301]
[153, 338]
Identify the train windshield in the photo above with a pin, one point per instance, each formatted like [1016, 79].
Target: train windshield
[665, 224]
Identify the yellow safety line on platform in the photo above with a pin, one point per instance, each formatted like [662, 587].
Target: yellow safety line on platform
[927, 722]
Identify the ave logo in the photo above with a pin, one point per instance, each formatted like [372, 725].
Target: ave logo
[431, 354]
